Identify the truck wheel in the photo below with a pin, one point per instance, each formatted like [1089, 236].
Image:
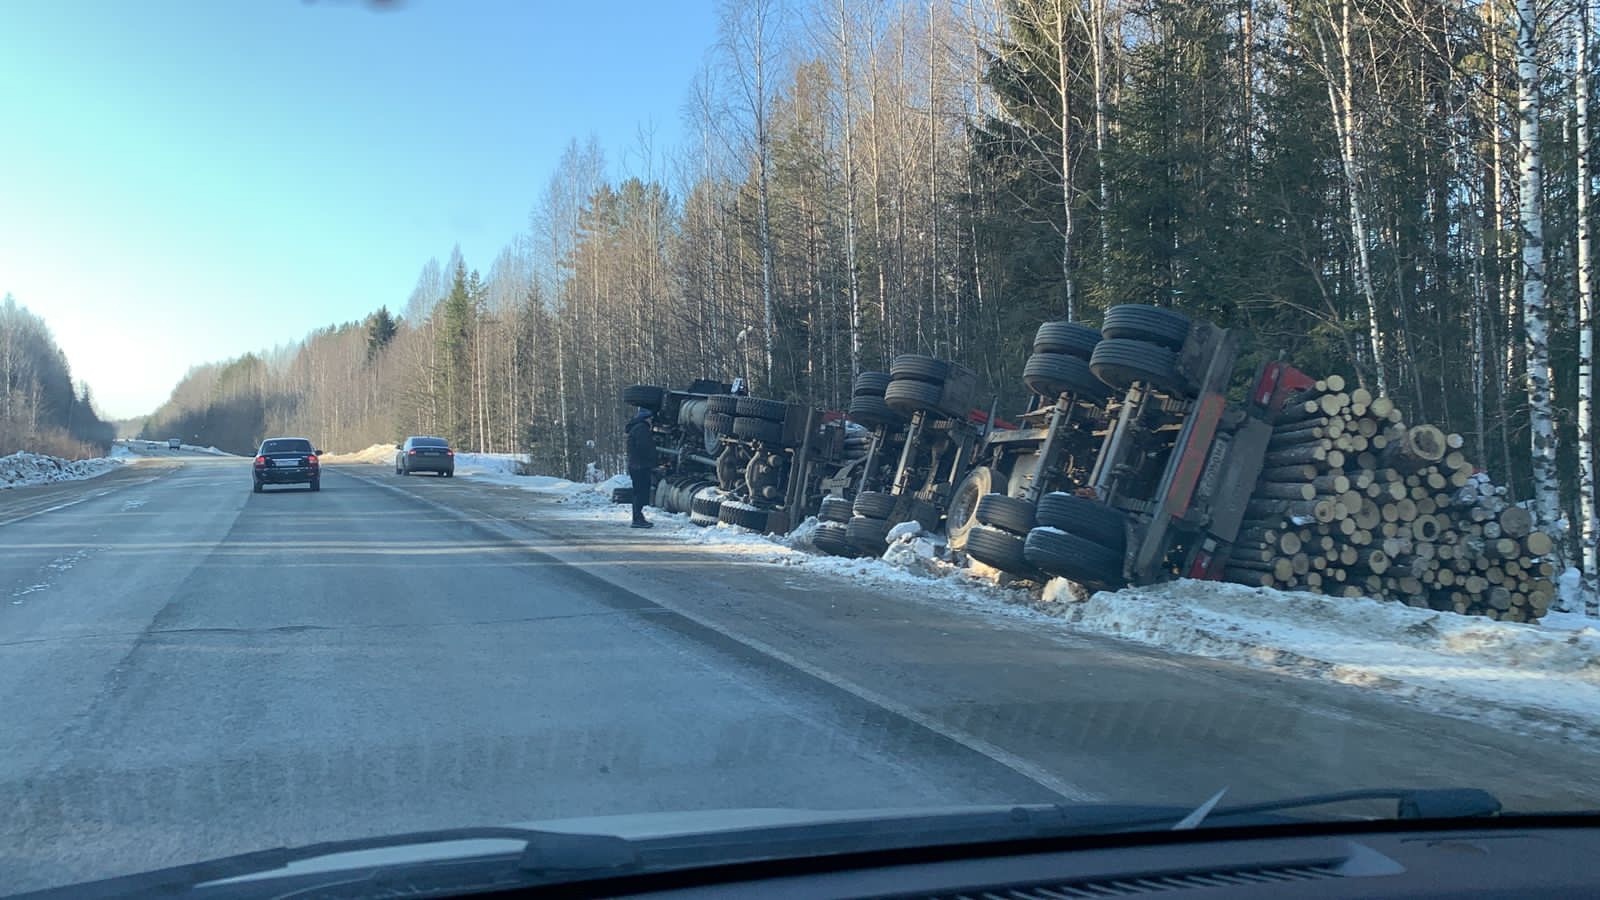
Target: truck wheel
[1055, 552]
[909, 395]
[1052, 374]
[1001, 549]
[719, 424]
[871, 384]
[1012, 514]
[1069, 338]
[963, 510]
[1084, 518]
[646, 395]
[1153, 324]
[737, 512]
[833, 538]
[910, 366]
[874, 504]
[872, 412]
[727, 404]
[835, 509]
[1120, 362]
[763, 430]
[759, 408]
[868, 535]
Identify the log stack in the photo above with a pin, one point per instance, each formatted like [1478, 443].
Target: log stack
[1355, 502]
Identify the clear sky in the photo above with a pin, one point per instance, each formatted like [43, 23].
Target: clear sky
[182, 181]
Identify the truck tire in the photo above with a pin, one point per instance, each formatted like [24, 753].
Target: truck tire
[909, 395]
[759, 408]
[872, 412]
[833, 538]
[868, 535]
[1011, 514]
[763, 430]
[871, 384]
[726, 404]
[719, 424]
[1119, 362]
[645, 395]
[912, 367]
[1001, 549]
[835, 509]
[1084, 518]
[962, 512]
[1152, 324]
[706, 502]
[874, 504]
[1052, 374]
[737, 512]
[1069, 338]
[1056, 552]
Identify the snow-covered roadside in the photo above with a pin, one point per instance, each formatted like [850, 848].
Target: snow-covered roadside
[1545, 676]
[24, 468]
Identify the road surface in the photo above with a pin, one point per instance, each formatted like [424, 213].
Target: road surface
[188, 669]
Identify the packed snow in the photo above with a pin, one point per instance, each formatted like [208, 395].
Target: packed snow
[1543, 675]
[23, 468]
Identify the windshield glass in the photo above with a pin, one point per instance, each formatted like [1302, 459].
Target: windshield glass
[1042, 402]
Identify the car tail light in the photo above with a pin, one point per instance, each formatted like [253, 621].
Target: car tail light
[261, 461]
[449, 453]
[411, 453]
[311, 460]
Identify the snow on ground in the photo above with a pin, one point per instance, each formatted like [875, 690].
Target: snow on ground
[380, 454]
[213, 451]
[1519, 675]
[24, 468]
[1546, 674]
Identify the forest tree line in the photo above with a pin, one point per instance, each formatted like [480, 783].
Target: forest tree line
[1395, 190]
[41, 408]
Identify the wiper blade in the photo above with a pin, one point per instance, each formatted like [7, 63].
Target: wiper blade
[1411, 803]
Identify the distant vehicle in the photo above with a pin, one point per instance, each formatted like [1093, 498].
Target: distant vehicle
[287, 460]
[174, 443]
[425, 454]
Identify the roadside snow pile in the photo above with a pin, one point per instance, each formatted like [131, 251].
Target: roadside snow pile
[24, 468]
[1462, 665]
[377, 454]
[213, 451]
[501, 468]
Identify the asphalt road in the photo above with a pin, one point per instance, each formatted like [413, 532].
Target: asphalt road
[189, 670]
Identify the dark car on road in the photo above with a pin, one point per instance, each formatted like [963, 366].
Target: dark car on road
[287, 460]
[425, 454]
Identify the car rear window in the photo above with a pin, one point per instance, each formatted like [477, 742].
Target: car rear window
[429, 442]
[286, 446]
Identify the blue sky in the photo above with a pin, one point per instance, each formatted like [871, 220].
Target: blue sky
[187, 181]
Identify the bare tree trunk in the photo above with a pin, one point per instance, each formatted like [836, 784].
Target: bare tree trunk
[1589, 527]
[1535, 309]
[848, 127]
[1340, 103]
[1064, 82]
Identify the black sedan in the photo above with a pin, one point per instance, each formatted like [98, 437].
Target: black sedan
[425, 454]
[287, 460]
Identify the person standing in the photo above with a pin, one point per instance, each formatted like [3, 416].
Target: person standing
[641, 463]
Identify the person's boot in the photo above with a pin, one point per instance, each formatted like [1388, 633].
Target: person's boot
[640, 522]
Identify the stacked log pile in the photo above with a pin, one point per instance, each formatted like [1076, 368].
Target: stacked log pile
[1354, 502]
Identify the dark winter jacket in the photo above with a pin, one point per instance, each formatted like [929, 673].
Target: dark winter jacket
[641, 444]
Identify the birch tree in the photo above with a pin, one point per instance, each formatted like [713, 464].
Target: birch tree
[1535, 307]
[1589, 531]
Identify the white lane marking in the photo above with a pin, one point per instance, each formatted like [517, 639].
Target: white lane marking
[1035, 773]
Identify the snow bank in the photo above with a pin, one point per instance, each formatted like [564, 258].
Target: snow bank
[1512, 673]
[377, 454]
[24, 468]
